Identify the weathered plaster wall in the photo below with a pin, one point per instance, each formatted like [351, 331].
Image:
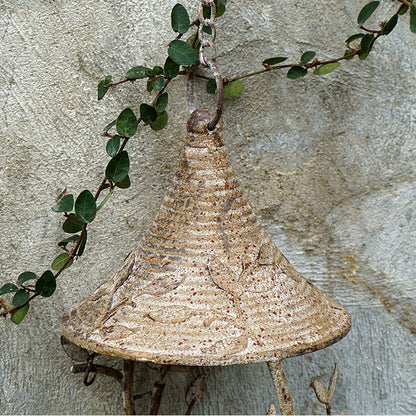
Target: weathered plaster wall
[328, 164]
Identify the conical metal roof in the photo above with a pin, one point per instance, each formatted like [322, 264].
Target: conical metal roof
[206, 285]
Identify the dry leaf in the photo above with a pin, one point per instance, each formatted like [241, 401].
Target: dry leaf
[260, 279]
[272, 410]
[333, 382]
[320, 391]
[172, 315]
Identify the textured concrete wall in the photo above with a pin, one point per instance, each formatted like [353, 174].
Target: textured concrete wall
[328, 164]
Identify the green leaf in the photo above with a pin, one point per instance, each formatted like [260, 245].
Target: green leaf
[367, 11]
[124, 183]
[25, 276]
[352, 38]
[20, 297]
[46, 285]
[18, 315]
[118, 167]
[307, 57]
[159, 83]
[219, 8]
[326, 68]
[138, 72]
[160, 122]
[61, 195]
[182, 53]
[180, 19]
[60, 260]
[82, 244]
[366, 44]
[147, 113]
[72, 224]
[126, 123]
[162, 102]
[102, 89]
[403, 10]
[149, 86]
[390, 25]
[211, 86]
[157, 70]
[348, 54]
[274, 61]
[296, 72]
[171, 68]
[72, 239]
[113, 145]
[65, 204]
[85, 207]
[233, 88]
[8, 288]
[413, 18]
[108, 126]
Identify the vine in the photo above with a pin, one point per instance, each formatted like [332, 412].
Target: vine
[182, 60]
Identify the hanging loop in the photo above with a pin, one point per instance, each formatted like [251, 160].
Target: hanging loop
[208, 43]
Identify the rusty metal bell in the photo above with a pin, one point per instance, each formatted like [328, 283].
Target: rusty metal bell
[206, 285]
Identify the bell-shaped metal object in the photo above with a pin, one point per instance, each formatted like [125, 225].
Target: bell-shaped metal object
[206, 285]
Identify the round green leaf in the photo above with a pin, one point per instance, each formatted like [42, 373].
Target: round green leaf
[274, 61]
[367, 11]
[366, 44]
[85, 206]
[113, 145]
[8, 288]
[354, 37]
[233, 88]
[413, 18]
[59, 261]
[182, 53]
[65, 204]
[403, 10]
[138, 72]
[326, 68]
[160, 122]
[73, 238]
[20, 297]
[149, 86]
[82, 244]
[147, 113]
[296, 72]
[157, 70]
[108, 126]
[25, 276]
[18, 315]
[102, 89]
[72, 224]
[180, 19]
[211, 86]
[162, 102]
[219, 9]
[348, 54]
[124, 183]
[171, 68]
[46, 285]
[159, 83]
[307, 57]
[118, 167]
[390, 25]
[126, 123]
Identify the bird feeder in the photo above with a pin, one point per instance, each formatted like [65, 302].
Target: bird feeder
[206, 286]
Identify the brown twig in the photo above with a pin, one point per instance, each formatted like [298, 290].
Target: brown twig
[128, 379]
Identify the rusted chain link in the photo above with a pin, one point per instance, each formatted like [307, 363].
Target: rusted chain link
[209, 43]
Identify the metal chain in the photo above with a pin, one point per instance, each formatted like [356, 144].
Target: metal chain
[209, 43]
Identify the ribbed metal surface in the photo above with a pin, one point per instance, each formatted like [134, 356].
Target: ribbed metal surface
[205, 286]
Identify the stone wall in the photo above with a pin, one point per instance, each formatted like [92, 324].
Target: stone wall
[328, 164]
